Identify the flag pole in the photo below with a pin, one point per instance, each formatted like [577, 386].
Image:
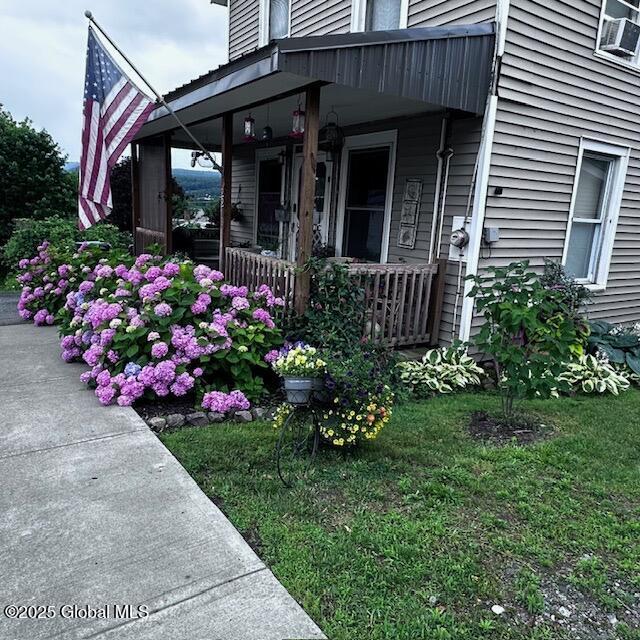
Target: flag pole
[164, 103]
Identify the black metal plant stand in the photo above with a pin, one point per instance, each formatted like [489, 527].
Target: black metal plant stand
[298, 442]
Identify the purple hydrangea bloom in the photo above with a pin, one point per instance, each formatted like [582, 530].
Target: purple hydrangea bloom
[162, 309]
[159, 349]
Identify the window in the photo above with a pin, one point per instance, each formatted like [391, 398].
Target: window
[618, 40]
[379, 15]
[595, 205]
[274, 20]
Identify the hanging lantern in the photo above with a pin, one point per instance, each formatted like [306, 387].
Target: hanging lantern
[332, 136]
[297, 130]
[267, 134]
[249, 129]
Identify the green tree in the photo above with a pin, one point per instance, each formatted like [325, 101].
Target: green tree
[33, 181]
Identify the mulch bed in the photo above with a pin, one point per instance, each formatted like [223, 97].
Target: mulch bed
[497, 430]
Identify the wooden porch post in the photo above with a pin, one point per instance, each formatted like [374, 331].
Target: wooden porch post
[307, 197]
[168, 196]
[225, 208]
[135, 197]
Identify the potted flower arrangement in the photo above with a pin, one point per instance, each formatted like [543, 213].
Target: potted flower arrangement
[362, 397]
[302, 370]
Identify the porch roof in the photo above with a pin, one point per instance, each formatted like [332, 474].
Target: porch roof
[416, 69]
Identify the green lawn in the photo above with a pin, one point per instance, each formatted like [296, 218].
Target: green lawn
[419, 533]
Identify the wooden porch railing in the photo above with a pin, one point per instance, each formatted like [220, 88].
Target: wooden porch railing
[403, 302]
[245, 268]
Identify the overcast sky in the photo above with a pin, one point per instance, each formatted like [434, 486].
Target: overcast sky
[43, 48]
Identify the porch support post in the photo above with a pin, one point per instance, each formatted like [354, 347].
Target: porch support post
[135, 197]
[227, 177]
[168, 196]
[307, 197]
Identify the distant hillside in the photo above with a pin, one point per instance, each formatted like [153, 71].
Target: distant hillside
[196, 183]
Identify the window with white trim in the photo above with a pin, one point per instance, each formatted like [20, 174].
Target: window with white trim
[619, 31]
[595, 205]
[379, 15]
[275, 18]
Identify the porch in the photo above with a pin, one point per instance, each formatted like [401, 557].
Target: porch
[402, 302]
[327, 150]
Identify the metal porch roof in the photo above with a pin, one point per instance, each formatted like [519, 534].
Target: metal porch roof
[446, 66]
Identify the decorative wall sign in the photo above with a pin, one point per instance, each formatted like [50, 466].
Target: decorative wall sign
[413, 190]
[407, 236]
[410, 213]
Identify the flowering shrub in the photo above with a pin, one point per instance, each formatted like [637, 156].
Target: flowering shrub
[47, 278]
[155, 328]
[592, 374]
[299, 359]
[441, 371]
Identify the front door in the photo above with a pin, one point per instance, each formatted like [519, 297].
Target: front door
[269, 199]
[322, 205]
[366, 186]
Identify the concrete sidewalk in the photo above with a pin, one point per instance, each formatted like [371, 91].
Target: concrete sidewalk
[95, 512]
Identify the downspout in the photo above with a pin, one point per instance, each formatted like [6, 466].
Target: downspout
[439, 197]
[484, 165]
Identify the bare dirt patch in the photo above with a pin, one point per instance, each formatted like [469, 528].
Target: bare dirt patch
[497, 430]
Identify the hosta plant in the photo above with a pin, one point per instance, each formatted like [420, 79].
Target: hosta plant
[621, 344]
[441, 370]
[591, 374]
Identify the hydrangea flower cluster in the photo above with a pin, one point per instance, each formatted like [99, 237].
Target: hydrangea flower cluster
[153, 328]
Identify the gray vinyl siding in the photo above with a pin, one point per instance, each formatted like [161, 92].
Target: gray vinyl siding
[311, 17]
[244, 178]
[418, 142]
[430, 13]
[553, 91]
[244, 17]
[321, 17]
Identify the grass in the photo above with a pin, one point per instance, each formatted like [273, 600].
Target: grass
[418, 534]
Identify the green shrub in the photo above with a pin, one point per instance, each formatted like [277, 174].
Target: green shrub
[573, 294]
[335, 311]
[594, 375]
[441, 370]
[528, 331]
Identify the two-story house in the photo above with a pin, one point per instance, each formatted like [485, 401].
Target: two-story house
[430, 136]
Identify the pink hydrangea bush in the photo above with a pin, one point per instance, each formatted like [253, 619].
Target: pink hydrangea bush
[48, 277]
[152, 328]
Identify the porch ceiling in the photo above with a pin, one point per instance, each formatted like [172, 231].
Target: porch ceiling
[367, 76]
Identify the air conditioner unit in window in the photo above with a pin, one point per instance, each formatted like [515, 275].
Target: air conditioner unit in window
[620, 37]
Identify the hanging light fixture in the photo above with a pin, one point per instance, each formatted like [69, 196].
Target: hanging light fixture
[297, 130]
[332, 135]
[249, 129]
[267, 132]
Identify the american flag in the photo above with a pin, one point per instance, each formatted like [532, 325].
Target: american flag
[114, 111]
